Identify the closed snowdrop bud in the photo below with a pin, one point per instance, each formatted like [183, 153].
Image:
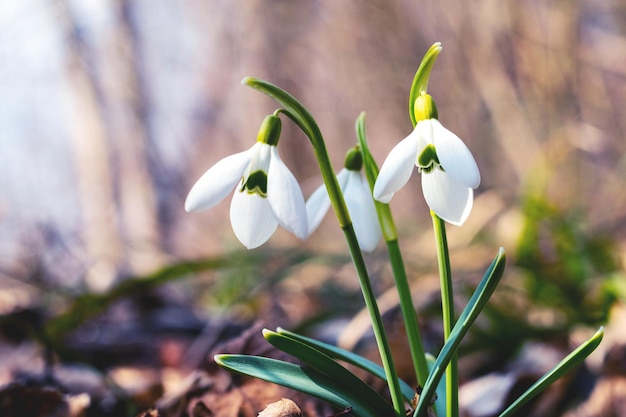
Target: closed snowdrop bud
[449, 171]
[266, 192]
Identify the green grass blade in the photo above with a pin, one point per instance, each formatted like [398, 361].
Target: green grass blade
[303, 379]
[572, 360]
[349, 357]
[328, 366]
[474, 306]
[89, 305]
[440, 401]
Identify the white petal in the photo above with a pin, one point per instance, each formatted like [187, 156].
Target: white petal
[318, 203]
[285, 197]
[216, 183]
[362, 211]
[397, 168]
[450, 200]
[455, 158]
[425, 129]
[252, 219]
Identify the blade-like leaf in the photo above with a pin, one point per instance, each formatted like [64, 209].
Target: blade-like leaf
[328, 366]
[474, 306]
[300, 378]
[88, 305]
[349, 357]
[572, 360]
[440, 400]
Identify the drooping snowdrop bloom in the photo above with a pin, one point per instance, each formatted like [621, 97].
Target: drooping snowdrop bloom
[358, 197]
[266, 193]
[449, 171]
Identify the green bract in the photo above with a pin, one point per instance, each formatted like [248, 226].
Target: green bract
[420, 81]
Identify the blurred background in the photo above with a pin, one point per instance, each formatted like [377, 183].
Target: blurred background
[110, 110]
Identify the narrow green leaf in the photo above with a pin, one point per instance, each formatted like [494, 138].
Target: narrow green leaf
[299, 378]
[328, 366]
[420, 81]
[349, 357]
[88, 305]
[570, 361]
[476, 303]
[440, 400]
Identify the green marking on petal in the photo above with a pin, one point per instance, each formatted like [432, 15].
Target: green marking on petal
[256, 183]
[428, 160]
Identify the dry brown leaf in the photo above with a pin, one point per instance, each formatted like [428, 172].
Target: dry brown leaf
[282, 408]
[174, 404]
[17, 400]
[143, 385]
[218, 392]
[149, 413]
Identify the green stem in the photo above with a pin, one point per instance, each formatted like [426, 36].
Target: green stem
[418, 354]
[388, 226]
[296, 112]
[474, 306]
[447, 307]
[379, 329]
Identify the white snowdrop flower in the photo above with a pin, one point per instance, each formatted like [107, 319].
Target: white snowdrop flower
[358, 197]
[266, 192]
[449, 171]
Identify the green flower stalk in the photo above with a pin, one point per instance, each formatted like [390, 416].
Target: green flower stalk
[416, 346]
[295, 111]
[449, 175]
[447, 309]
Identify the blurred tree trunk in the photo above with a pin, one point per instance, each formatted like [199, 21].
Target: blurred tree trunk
[111, 144]
[88, 131]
